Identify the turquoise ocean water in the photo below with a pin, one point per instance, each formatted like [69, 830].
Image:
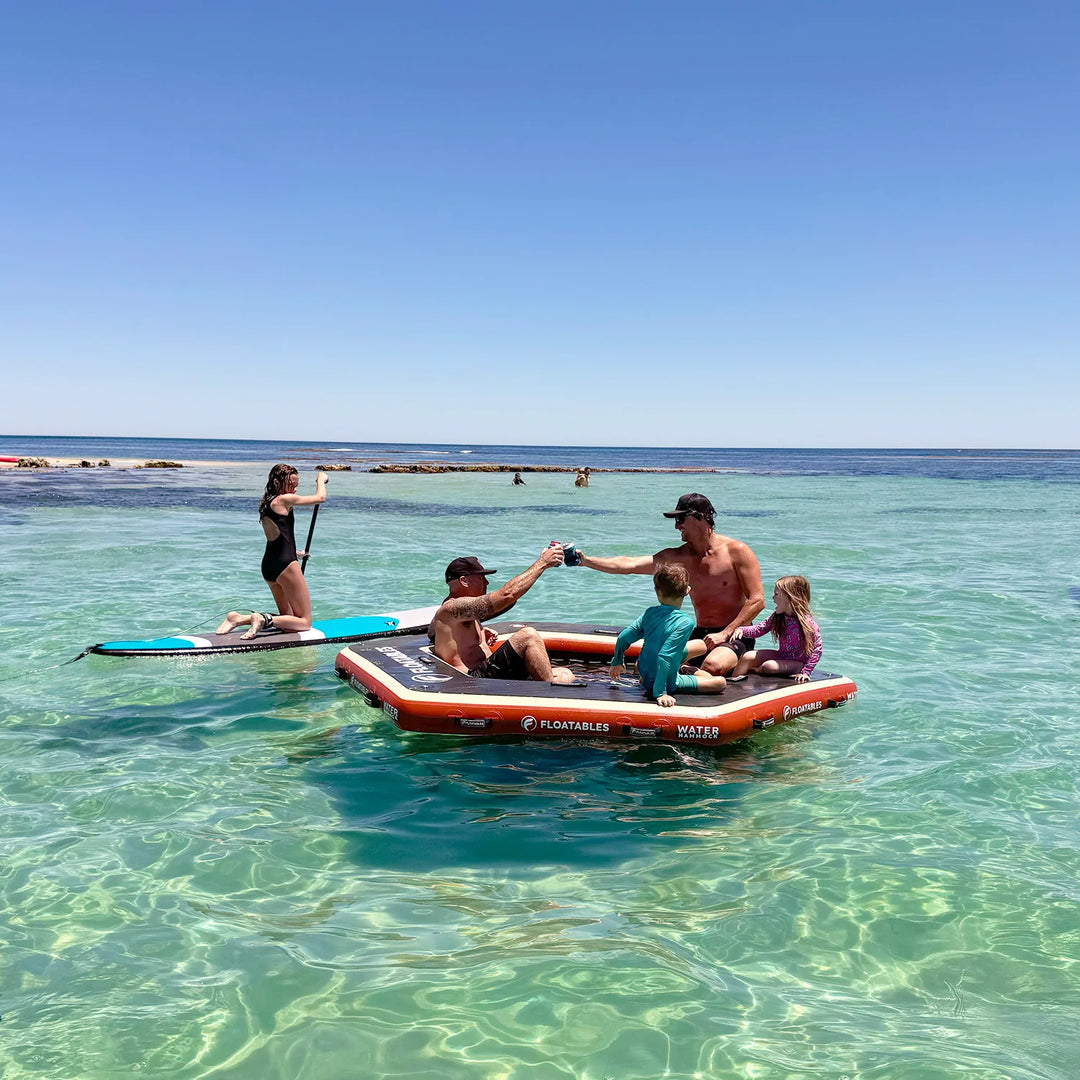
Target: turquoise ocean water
[235, 869]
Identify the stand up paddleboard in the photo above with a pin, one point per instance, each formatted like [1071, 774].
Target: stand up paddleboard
[326, 632]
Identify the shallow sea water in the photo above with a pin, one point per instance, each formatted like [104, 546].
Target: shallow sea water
[235, 869]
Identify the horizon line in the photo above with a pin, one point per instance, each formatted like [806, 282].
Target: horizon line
[557, 446]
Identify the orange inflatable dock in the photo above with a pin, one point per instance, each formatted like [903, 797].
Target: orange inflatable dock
[421, 693]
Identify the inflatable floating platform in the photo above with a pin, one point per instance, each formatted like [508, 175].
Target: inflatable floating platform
[325, 632]
[419, 692]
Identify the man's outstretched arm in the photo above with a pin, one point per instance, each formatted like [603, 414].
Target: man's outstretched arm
[467, 608]
[618, 564]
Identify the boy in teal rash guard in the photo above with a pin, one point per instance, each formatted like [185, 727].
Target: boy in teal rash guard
[666, 630]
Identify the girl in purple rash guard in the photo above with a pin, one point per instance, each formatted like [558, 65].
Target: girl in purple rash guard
[793, 626]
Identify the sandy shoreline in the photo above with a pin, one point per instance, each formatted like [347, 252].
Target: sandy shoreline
[118, 464]
[416, 468]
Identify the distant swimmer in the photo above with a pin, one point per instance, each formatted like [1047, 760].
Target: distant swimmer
[517, 479]
[280, 565]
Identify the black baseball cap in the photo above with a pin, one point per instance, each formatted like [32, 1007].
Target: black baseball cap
[692, 504]
[467, 564]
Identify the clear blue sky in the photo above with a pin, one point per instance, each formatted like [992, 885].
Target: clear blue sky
[698, 223]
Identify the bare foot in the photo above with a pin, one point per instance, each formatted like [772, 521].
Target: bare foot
[232, 621]
[257, 623]
[563, 676]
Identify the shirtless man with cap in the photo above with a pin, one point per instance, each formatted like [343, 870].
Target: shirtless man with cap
[461, 641]
[725, 579]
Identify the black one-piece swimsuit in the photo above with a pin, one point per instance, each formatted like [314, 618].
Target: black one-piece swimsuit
[282, 551]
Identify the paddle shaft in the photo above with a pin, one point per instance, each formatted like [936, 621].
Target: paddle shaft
[310, 534]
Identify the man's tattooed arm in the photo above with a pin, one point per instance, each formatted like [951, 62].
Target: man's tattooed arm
[464, 608]
[467, 608]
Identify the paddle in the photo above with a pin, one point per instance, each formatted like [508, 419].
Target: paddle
[310, 534]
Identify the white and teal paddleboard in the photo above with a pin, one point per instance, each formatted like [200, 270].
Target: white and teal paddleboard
[326, 632]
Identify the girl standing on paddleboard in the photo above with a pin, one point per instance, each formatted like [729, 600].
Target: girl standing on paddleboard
[280, 568]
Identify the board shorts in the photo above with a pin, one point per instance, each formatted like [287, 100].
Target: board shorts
[739, 646]
[504, 663]
[684, 684]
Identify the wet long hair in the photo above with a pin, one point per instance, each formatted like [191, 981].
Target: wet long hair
[797, 589]
[275, 485]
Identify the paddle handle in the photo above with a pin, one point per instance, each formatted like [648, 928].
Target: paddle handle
[310, 534]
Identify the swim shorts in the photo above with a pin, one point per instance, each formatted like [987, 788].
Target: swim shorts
[686, 684]
[504, 663]
[738, 646]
